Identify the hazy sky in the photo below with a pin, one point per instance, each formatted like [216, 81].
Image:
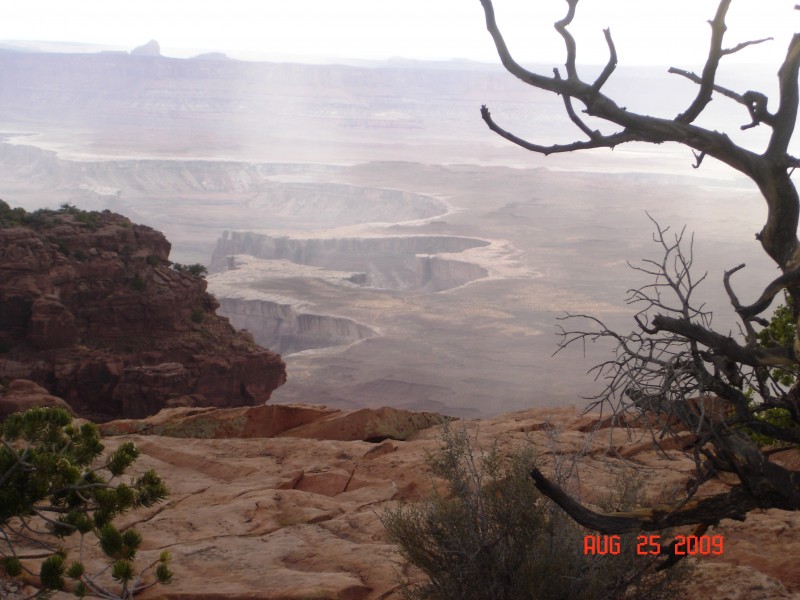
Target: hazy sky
[646, 31]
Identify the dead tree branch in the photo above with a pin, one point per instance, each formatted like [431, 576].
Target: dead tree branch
[674, 370]
[755, 102]
[703, 97]
[684, 375]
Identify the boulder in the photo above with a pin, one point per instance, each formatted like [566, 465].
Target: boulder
[21, 395]
[368, 424]
[252, 422]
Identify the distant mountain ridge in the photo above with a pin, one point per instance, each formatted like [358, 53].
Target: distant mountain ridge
[186, 106]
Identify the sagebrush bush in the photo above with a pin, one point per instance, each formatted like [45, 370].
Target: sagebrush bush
[490, 535]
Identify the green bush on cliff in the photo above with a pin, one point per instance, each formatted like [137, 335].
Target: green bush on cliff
[138, 284]
[196, 270]
[780, 331]
[11, 217]
[491, 536]
[45, 217]
[91, 218]
[54, 485]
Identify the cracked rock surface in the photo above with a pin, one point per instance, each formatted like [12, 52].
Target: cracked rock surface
[292, 518]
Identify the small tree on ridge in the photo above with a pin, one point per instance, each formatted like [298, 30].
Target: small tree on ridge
[53, 486]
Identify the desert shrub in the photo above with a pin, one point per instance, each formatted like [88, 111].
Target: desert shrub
[62, 247]
[491, 536]
[195, 270]
[138, 284]
[153, 260]
[11, 217]
[197, 315]
[53, 485]
[46, 218]
[780, 331]
[780, 417]
[91, 218]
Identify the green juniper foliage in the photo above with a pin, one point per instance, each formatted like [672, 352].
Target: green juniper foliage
[779, 332]
[45, 218]
[195, 270]
[53, 484]
[491, 536]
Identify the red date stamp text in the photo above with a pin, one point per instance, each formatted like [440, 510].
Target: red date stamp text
[685, 545]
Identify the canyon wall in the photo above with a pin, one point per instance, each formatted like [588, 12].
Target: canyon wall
[392, 262]
[91, 310]
[285, 330]
[244, 262]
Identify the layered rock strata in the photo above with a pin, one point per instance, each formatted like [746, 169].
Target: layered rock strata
[91, 310]
[21, 395]
[282, 327]
[419, 262]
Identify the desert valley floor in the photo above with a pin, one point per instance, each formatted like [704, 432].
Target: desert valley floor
[419, 286]
[365, 223]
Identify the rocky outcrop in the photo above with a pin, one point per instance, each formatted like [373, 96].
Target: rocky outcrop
[21, 395]
[280, 420]
[151, 48]
[367, 424]
[91, 310]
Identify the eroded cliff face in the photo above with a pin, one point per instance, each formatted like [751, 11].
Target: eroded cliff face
[283, 328]
[91, 310]
[289, 322]
[390, 262]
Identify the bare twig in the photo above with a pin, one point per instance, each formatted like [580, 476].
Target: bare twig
[710, 69]
[668, 369]
[755, 102]
[674, 362]
[597, 141]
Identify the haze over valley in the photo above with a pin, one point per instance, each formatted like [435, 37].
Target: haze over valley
[364, 222]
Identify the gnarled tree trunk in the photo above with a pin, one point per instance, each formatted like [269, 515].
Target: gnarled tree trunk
[677, 355]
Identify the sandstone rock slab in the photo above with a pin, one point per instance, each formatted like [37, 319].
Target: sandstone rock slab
[21, 395]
